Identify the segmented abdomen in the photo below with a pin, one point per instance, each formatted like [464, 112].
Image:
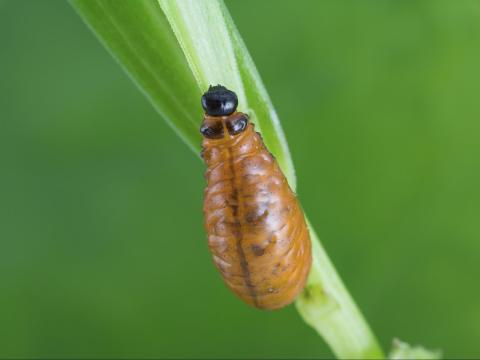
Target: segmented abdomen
[256, 229]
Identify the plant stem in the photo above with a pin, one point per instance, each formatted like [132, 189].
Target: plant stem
[216, 54]
[326, 305]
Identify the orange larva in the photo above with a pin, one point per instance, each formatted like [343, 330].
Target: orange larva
[256, 228]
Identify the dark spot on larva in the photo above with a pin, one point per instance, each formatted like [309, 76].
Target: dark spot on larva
[275, 269]
[236, 125]
[258, 250]
[212, 131]
[250, 218]
[286, 210]
[258, 215]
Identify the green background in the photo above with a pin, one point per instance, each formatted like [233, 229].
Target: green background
[102, 247]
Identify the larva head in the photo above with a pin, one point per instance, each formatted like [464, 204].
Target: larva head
[219, 101]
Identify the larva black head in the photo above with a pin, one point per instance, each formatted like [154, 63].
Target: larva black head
[219, 101]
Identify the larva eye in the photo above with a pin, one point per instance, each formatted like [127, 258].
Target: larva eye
[236, 126]
[212, 132]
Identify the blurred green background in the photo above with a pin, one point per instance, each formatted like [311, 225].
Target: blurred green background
[102, 247]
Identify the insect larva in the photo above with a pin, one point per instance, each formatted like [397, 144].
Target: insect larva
[256, 229]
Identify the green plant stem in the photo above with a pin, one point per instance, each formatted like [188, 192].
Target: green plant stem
[326, 305]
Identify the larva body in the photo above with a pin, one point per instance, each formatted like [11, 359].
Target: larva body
[256, 229]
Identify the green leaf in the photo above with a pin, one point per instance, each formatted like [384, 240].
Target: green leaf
[139, 37]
